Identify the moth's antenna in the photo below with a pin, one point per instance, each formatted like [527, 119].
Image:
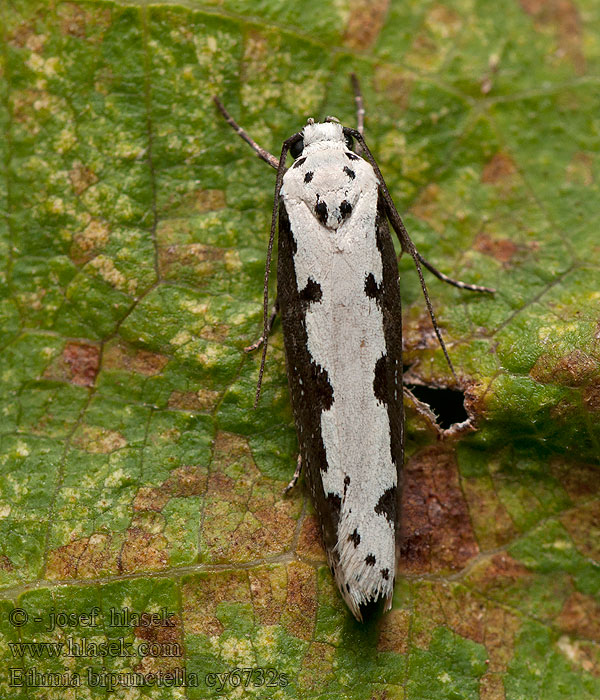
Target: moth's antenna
[280, 173]
[405, 240]
[360, 107]
[260, 152]
[454, 283]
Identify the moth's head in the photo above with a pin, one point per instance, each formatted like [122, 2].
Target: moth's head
[321, 135]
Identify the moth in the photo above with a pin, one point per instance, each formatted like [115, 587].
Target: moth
[339, 298]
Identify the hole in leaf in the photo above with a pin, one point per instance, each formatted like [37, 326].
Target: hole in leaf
[447, 404]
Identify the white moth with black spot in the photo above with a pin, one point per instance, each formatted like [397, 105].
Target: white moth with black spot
[338, 294]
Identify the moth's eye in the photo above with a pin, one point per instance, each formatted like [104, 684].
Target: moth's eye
[297, 148]
[349, 142]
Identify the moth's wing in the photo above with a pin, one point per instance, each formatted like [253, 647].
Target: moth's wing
[310, 389]
[391, 306]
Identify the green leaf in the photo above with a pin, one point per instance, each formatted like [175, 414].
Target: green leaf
[135, 478]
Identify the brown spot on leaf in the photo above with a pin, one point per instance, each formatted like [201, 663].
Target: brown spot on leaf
[396, 86]
[203, 593]
[78, 364]
[563, 17]
[81, 177]
[393, 633]
[150, 498]
[500, 169]
[591, 396]
[191, 254]
[24, 35]
[586, 655]
[583, 524]
[217, 332]
[317, 666]
[504, 578]
[199, 258]
[427, 206]
[502, 566]
[309, 542]
[83, 360]
[469, 615]
[183, 482]
[574, 369]
[201, 400]
[167, 634]
[200, 201]
[491, 687]
[122, 356]
[157, 630]
[98, 440]
[443, 20]
[5, 563]
[580, 170]
[187, 481]
[491, 521]
[364, 23]
[88, 242]
[580, 616]
[268, 587]
[87, 557]
[245, 515]
[502, 249]
[500, 628]
[300, 611]
[143, 551]
[74, 19]
[437, 533]
[580, 481]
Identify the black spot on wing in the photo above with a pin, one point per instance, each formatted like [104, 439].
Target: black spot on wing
[385, 573]
[321, 212]
[285, 232]
[349, 172]
[370, 560]
[345, 209]
[390, 305]
[322, 391]
[309, 176]
[335, 503]
[387, 504]
[380, 387]
[346, 484]
[299, 162]
[372, 289]
[321, 456]
[354, 538]
[351, 156]
[311, 293]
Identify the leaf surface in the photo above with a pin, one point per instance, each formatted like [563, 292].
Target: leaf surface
[135, 478]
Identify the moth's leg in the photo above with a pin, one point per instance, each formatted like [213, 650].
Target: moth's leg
[260, 152]
[296, 476]
[257, 343]
[360, 107]
[449, 280]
